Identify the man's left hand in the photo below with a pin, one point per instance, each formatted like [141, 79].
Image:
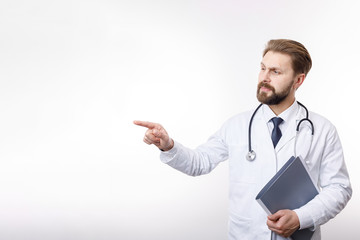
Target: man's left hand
[283, 222]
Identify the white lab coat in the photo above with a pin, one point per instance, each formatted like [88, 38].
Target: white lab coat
[325, 162]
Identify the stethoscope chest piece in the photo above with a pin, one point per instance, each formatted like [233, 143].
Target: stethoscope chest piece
[251, 155]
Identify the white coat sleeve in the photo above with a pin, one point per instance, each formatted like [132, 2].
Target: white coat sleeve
[334, 183]
[199, 161]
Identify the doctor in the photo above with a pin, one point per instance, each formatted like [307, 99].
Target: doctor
[283, 69]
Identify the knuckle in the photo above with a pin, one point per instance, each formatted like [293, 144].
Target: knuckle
[149, 136]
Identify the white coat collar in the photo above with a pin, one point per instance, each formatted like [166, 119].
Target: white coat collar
[291, 116]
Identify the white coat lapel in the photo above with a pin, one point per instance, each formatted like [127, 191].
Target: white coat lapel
[262, 133]
[304, 140]
[289, 133]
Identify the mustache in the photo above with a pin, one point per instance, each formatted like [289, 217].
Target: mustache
[264, 84]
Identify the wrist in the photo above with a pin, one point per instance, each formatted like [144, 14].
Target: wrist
[169, 147]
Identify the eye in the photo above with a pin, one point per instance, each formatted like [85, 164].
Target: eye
[276, 71]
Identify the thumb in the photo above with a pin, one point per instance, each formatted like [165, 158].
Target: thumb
[275, 216]
[165, 142]
[157, 133]
[160, 134]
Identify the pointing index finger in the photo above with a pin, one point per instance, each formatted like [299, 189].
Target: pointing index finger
[145, 124]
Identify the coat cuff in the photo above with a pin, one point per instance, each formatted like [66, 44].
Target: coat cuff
[305, 219]
[167, 156]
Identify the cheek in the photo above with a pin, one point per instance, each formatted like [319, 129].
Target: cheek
[284, 85]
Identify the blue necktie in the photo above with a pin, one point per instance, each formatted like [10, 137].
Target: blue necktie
[276, 133]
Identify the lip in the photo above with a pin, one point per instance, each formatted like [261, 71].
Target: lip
[265, 89]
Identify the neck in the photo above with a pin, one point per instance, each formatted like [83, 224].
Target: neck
[279, 108]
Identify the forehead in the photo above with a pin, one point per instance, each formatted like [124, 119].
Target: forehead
[277, 60]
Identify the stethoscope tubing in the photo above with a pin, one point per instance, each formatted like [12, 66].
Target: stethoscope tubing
[251, 155]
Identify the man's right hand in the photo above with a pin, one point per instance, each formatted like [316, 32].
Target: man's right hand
[156, 135]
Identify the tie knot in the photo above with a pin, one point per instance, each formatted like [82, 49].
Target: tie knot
[276, 121]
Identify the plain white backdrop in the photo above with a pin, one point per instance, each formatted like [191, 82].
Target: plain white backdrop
[75, 74]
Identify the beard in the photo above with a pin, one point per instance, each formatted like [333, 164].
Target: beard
[275, 97]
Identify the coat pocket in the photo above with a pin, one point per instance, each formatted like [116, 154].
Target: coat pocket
[239, 227]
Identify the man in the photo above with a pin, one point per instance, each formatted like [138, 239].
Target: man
[284, 66]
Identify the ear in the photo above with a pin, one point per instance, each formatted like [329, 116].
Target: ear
[299, 79]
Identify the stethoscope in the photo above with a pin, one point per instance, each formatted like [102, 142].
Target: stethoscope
[251, 155]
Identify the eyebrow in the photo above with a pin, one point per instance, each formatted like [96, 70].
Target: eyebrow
[271, 68]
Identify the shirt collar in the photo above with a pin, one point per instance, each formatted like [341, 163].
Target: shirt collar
[285, 115]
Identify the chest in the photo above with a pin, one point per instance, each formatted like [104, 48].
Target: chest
[268, 159]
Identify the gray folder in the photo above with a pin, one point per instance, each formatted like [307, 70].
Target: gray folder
[290, 188]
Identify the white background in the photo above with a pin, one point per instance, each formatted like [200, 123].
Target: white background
[75, 74]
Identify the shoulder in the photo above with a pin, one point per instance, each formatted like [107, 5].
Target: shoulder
[322, 124]
[235, 128]
[240, 117]
[238, 121]
[319, 119]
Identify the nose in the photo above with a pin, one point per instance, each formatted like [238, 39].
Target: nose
[264, 76]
